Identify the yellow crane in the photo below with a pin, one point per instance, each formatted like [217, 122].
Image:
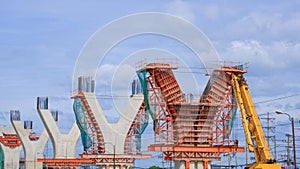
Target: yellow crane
[253, 131]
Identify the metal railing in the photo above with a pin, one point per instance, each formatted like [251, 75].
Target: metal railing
[168, 62]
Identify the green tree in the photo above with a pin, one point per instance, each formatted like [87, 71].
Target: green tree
[154, 167]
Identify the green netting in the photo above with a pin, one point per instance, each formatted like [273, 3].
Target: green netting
[143, 80]
[233, 111]
[139, 136]
[1, 159]
[234, 102]
[81, 123]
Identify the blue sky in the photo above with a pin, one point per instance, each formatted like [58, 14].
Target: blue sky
[40, 42]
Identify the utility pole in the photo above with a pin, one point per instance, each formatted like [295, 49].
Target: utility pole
[275, 152]
[229, 161]
[293, 135]
[294, 142]
[247, 155]
[288, 149]
[270, 128]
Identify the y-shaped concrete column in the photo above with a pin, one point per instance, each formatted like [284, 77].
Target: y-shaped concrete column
[33, 149]
[115, 134]
[11, 154]
[64, 144]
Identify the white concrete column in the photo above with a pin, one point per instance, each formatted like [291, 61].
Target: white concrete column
[33, 149]
[196, 165]
[193, 165]
[115, 134]
[11, 154]
[179, 164]
[64, 144]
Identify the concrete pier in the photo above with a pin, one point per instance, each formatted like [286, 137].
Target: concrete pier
[32, 149]
[115, 133]
[11, 154]
[64, 144]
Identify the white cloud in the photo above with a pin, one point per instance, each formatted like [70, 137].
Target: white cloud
[182, 9]
[272, 55]
[273, 65]
[104, 74]
[250, 50]
[268, 55]
[266, 25]
[212, 11]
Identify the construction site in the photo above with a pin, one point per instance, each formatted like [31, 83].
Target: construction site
[191, 131]
[172, 84]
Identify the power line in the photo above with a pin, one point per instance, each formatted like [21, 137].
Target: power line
[106, 96]
[191, 72]
[264, 101]
[279, 98]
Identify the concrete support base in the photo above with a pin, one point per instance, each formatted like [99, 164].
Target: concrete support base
[33, 149]
[192, 165]
[113, 167]
[64, 144]
[11, 154]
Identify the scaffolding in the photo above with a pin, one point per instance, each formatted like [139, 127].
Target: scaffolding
[185, 129]
[133, 140]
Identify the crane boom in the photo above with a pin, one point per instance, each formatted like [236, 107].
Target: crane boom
[254, 134]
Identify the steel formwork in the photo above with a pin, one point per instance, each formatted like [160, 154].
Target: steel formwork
[200, 125]
[133, 142]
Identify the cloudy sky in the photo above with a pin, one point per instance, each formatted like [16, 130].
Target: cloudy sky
[40, 42]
